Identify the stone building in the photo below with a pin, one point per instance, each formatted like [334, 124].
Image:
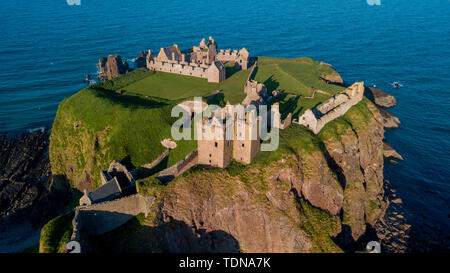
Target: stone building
[256, 93]
[201, 61]
[315, 119]
[247, 141]
[216, 149]
[117, 181]
[239, 58]
[204, 52]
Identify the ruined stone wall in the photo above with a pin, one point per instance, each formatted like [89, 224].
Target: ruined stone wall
[286, 122]
[181, 166]
[103, 217]
[332, 108]
[227, 55]
[188, 69]
[333, 102]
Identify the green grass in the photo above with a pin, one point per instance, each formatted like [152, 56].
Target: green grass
[171, 86]
[127, 128]
[356, 118]
[295, 139]
[296, 78]
[176, 87]
[318, 225]
[151, 186]
[56, 233]
[235, 168]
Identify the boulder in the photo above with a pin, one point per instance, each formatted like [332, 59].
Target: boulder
[390, 153]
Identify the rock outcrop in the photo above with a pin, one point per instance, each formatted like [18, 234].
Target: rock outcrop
[390, 121]
[141, 60]
[29, 197]
[111, 67]
[357, 157]
[390, 153]
[26, 191]
[380, 97]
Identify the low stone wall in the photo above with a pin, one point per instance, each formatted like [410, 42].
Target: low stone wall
[332, 108]
[157, 160]
[286, 122]
[179, 168]
[252, 69]
[103, 217]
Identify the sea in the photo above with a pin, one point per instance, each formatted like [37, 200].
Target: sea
[48, 46]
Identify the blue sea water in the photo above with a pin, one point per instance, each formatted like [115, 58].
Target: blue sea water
[47, 46]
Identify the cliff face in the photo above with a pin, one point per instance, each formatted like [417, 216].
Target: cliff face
[314, 194]
[358, 160]
[27, 192]
[303, 202]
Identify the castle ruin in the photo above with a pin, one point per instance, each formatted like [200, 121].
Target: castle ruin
[117, 182]
[221, 141]
[315, 119]
[201, 61]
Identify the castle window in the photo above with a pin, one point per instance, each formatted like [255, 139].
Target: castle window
[210, 161]
[210, 156]
[215, 144]
[242, 145]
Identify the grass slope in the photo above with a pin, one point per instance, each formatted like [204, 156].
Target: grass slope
[177, 87]
[126, 128]
[296, 78]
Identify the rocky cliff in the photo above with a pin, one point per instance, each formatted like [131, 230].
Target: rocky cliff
[29, 197]
[314, 194]
[27, 192]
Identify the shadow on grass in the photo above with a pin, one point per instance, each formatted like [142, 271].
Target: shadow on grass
[128, 101]
[143, 172]
[271, 84]
[230, 70]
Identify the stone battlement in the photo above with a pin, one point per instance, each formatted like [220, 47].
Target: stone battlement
[214, 72]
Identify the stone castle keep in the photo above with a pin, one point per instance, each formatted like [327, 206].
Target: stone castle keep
[203, 61]
[223, 141]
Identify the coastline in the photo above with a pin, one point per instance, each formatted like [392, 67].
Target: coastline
[28, 196]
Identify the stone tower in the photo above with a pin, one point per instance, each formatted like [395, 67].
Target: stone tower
[246, 141]
[213, 147]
